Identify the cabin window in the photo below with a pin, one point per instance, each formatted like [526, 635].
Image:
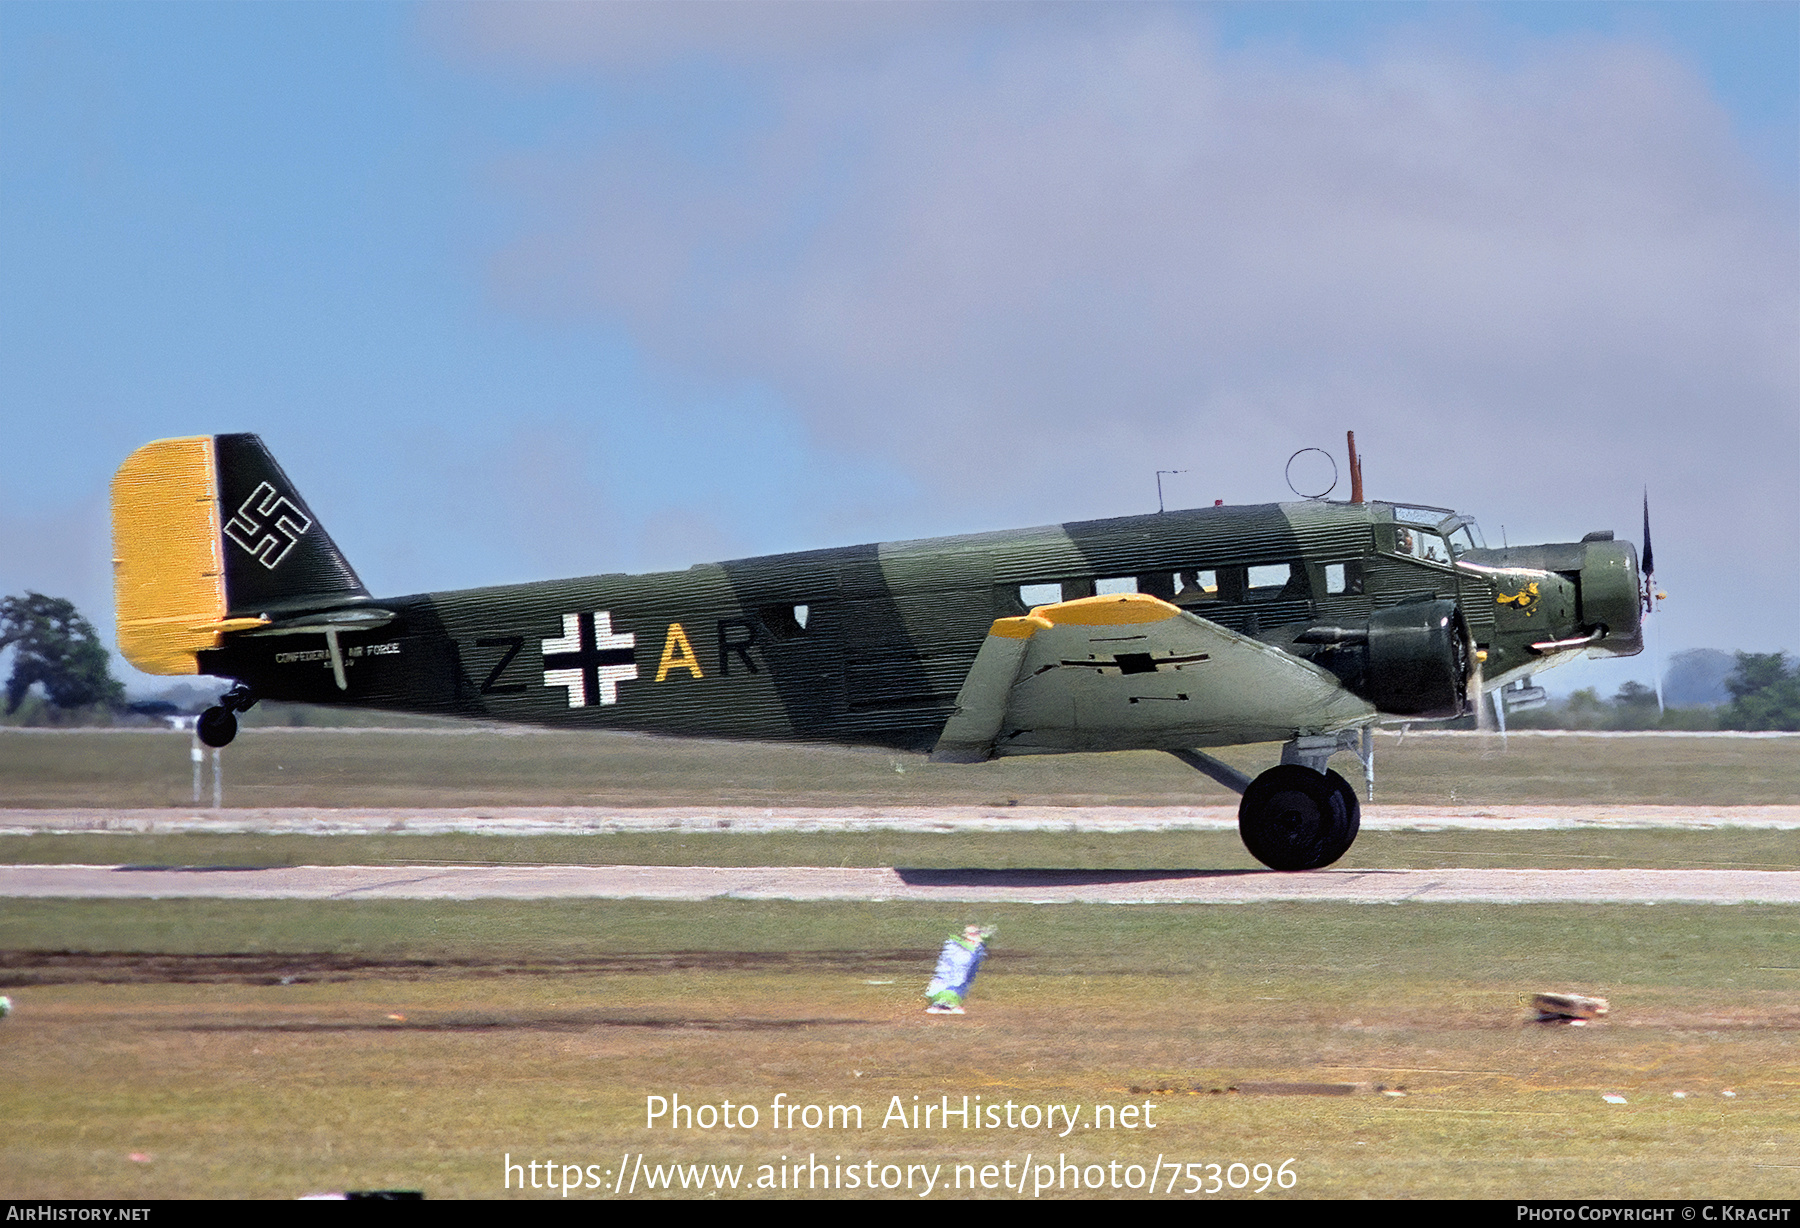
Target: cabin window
[784, 622]
[1270, 576]
[1154, 584]
[1197, 585]
[1275, 582]
[1343, 579]
[1158, 584]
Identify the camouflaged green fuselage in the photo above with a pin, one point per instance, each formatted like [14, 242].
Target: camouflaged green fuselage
[871, 644]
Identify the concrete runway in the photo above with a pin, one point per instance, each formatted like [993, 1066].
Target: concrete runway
[958, 886]
[596, 820]
[437, 882]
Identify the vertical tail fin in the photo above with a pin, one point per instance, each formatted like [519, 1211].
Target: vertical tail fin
[277, 554]
[209, 536]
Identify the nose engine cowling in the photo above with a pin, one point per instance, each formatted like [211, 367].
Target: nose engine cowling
[1611, 595]
[1607, 613]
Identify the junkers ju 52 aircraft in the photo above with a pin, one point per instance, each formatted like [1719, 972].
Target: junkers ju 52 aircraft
[1303, 623]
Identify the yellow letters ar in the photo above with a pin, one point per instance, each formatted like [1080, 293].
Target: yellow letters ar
[678, 654]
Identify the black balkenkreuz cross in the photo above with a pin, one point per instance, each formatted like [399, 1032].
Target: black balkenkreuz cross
[590, 659]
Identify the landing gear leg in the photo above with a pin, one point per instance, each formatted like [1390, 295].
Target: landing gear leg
[218, 725]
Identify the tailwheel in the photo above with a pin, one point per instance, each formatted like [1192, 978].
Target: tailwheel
[1293, 818]
[216, 727]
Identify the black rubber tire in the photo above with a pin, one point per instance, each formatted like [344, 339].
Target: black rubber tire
[1293, 818]
[1352, 809]
[216, 727]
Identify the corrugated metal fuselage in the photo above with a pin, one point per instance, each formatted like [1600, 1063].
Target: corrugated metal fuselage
[866, 644]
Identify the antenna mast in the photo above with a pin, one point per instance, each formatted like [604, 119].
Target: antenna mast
[1159, 494]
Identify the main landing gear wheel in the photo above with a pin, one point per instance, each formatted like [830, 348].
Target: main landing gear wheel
[216, 727]
[1293, 818]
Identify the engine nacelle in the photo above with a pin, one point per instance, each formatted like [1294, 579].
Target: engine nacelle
[1407, 660]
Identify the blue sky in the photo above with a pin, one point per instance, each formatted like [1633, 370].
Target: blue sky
[521, 291]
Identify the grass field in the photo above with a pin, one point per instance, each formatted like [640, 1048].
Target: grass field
[444, 1037]
[1555, 850]
[276, 1048]
[486, 767]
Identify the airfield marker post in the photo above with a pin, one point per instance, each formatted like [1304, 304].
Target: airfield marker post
[218, 782]
[199, 758]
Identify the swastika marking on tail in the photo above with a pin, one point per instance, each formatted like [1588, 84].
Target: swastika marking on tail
[267, 526]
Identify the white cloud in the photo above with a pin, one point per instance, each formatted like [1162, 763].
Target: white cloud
[643, 35]
[1032, 266]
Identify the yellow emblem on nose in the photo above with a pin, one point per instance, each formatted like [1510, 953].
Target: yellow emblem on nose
[1523, 600]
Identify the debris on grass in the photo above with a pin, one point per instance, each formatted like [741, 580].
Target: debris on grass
[1569, 1008]
[1614, 1099]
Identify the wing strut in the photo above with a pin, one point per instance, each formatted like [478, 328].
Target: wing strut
[1206, 765]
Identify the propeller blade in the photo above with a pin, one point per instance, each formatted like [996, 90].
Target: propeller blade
[1649, 560]
[1475, 683]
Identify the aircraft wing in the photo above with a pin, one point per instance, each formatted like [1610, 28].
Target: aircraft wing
[1132, 672]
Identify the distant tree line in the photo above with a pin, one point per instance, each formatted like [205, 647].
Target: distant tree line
[1764, 690]
[1765, 693]
[57, 650]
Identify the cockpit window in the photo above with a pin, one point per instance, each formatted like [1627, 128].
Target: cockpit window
[1421, 544]
[1461, 530]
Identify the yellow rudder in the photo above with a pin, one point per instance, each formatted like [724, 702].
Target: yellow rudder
[168, 569]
